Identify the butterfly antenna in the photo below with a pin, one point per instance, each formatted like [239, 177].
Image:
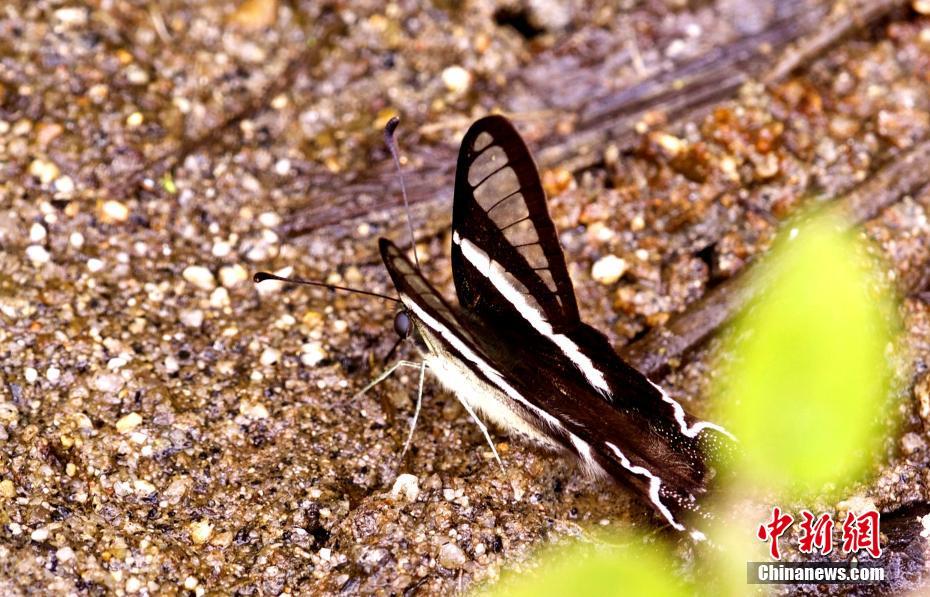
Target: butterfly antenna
[262, 276]
[391, 143]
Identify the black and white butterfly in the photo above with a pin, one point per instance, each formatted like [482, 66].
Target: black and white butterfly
[515, 350]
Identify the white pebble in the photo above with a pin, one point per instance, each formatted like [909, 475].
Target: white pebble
[116, 363]
[190, 583]
[135, 119]
[171, 364]
[143, 487]
[200, 531]
[109, 382]
[200, 277]
[133, 585]
[269, 219]
[451, 556]
[406, 486]
[72, 15]
[192, 318]
[76, 239]
[231, 275]
[114, 212]
[456, 79]
[37, 254]
[94, 265]
[64, 185]
[312, 353]
[282, 167]
[64, 554]
[37, 232]
[221, 248]
[270, 356]
[129, 422]
[53, 374]
[608, 269]
[44, 171]
[253, 410]
[219, 298]
[39, 535]
[31, 374]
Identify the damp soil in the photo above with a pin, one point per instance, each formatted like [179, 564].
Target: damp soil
[166, 426]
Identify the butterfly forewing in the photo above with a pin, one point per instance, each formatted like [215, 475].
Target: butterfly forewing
[502, 231]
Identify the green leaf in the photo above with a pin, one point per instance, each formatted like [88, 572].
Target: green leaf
[807, 387]
[633, 568]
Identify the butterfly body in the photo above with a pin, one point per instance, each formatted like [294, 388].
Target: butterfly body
[516, 350]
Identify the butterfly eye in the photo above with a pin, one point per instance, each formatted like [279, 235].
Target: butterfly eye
[402, 324]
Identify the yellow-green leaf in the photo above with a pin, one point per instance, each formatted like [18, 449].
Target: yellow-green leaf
[807, 387]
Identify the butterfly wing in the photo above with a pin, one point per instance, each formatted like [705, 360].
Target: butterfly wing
[506, 257]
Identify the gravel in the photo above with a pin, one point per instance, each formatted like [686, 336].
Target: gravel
[202, 433]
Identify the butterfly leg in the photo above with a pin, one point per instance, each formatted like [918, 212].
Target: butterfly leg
[416, 412]
[484, 430]
[386, 374]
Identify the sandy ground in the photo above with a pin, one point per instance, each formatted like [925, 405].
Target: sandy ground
[166, 426]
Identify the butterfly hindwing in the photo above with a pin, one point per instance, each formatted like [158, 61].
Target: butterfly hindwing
[502, 232]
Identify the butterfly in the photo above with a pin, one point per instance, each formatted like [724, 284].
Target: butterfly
[515, 350]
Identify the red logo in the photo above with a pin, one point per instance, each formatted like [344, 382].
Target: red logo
[859, 532]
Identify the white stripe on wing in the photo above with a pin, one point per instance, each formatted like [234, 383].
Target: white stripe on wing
[495, 273]
[465, 351]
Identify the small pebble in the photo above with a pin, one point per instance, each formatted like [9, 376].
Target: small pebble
[451, 556]
[53, 374]
[232, 275]
[192, 318]
[64, 554]
[37, 254]
[31, 375]
[190, 583]
[282, 167]
[311, 354]
[912, 443]
[37, 232]
[608, 269]
[219, 298]
[253, 410]
[406, 486]
[221, 248]
[76, 239]
[171, 364]
[135, 119]
[72, 15]
[108, 382]
[113, 212]
[129, 422]
[39, 535]
[269, 219]
[269, 356]
[143, 487]
[200, 277]
[200, 531]
[456, 79]
[64, 185]
[133, 585]
[94, 265]
[7, 489]
[44, 170]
